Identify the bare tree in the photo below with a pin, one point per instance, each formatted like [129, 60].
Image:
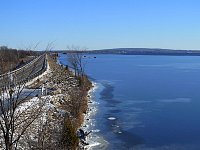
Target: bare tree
[50, 46]
[14, 117]
[1, 64]
[76, 60]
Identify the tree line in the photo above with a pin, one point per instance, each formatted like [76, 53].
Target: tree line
[12, 58]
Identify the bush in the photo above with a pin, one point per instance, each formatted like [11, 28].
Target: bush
[69, 137]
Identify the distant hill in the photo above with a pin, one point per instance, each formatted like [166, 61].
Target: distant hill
[143, 51]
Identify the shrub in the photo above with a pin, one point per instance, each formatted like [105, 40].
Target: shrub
[69, 137]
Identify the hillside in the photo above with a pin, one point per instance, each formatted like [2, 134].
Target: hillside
[146, 51]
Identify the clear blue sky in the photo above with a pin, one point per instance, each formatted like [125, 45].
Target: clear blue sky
[99, 24]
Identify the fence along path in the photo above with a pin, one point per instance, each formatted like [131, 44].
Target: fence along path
[25, 73]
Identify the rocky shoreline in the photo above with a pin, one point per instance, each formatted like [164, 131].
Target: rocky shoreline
[73, 101]
[61, 109]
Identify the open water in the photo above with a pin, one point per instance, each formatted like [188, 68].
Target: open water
[146, 102]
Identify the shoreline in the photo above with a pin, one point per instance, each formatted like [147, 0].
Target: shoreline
[89, 123]
[95, 139]
[89, 116]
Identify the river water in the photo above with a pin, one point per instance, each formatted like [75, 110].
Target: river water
[146, 102]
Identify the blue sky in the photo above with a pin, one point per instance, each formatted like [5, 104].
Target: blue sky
[99, 24]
